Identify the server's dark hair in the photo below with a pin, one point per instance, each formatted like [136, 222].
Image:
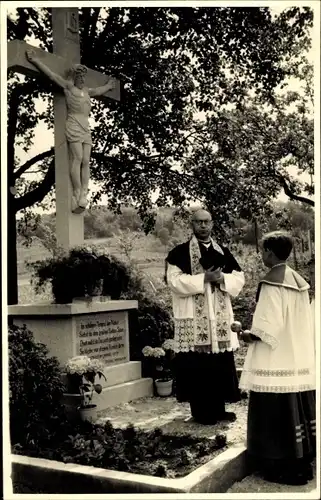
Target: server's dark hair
[279, 242]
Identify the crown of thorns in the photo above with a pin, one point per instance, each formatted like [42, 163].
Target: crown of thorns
[78, 69]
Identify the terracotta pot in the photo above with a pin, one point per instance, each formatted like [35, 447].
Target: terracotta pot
[164, 387]
[88, 413]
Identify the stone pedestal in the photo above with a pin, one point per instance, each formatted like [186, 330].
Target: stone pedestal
[96, 329]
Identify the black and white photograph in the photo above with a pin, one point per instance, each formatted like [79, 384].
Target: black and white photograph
[160, 215]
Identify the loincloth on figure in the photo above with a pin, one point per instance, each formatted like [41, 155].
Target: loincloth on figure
[77, 129]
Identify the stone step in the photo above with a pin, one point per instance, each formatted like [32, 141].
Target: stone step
[119, 374]
[123, 393]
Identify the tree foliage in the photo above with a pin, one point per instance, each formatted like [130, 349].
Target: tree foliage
[199, 116]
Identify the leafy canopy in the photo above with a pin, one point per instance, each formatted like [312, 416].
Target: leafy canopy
[195, 118]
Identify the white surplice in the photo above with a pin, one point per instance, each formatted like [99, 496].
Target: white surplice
[284, 360]
[185, 288]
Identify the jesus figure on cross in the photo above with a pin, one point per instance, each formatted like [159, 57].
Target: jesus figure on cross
[77, 129]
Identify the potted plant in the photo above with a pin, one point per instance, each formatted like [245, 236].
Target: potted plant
[160, 359]
[81, 372]
[78, 273]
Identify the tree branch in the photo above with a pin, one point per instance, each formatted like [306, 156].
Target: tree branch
[159, 156]
[41, 156]
[89, 33]
[42, 36]
[39, 192]
[85, 23]
[11, 131]
[92, 34]
[17, 93]
[291, 194]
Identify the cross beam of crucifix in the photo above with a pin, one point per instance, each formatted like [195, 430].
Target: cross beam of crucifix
[66, 48]
[17, 61]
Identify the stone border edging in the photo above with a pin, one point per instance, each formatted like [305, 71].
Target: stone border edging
[216, 476]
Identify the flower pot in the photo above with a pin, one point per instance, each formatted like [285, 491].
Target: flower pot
[89, 300]
[95, 288]
[61, 292]
[164, 387]
[72, 382]
[72, 403]
[88, 413]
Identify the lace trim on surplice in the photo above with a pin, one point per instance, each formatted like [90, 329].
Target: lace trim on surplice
[265, 337]
[279, 389]
[279, 373]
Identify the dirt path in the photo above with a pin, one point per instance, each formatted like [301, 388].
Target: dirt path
[174, 418]
[255, 484]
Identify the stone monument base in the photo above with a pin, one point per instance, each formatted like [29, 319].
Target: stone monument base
[98, 329]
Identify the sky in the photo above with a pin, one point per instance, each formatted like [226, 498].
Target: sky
[44, 138]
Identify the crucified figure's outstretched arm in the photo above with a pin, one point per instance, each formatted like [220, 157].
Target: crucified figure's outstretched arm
[94, 92]
[61, 82]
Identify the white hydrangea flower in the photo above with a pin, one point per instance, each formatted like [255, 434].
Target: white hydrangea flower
[83, 364]
[169, 344]
[97, 365]
[158, 352]
[148, 351]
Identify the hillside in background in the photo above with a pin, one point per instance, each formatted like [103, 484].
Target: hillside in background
[146, 253]
[123, 234]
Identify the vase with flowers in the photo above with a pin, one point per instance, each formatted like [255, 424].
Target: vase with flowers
[80, 373]
[82, 273]
[160, 366]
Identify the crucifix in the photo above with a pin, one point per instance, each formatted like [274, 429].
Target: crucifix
[71, 112]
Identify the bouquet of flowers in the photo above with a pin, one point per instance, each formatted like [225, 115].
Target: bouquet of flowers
[81, 373]
[84, 271]
[160, 359]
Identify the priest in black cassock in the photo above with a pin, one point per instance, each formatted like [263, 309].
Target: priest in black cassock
[202, 276]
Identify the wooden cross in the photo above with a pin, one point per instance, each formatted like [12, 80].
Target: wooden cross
[66, 52]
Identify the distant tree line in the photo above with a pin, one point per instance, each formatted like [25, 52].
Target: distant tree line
[172, 227]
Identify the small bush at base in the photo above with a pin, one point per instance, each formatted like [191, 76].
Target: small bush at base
[35, 389]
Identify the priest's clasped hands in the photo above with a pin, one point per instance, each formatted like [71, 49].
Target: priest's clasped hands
[216, 277]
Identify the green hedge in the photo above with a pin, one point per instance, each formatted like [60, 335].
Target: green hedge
[35, 388]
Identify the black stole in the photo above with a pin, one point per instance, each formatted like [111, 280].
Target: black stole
[180, 257]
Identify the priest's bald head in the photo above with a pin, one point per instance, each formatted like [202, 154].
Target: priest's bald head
[202, 224]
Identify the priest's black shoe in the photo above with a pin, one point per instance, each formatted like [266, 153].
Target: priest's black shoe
[227, 416]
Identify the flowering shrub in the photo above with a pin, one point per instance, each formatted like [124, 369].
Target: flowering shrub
[82, 272]
[160, 359]
[81, 372]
